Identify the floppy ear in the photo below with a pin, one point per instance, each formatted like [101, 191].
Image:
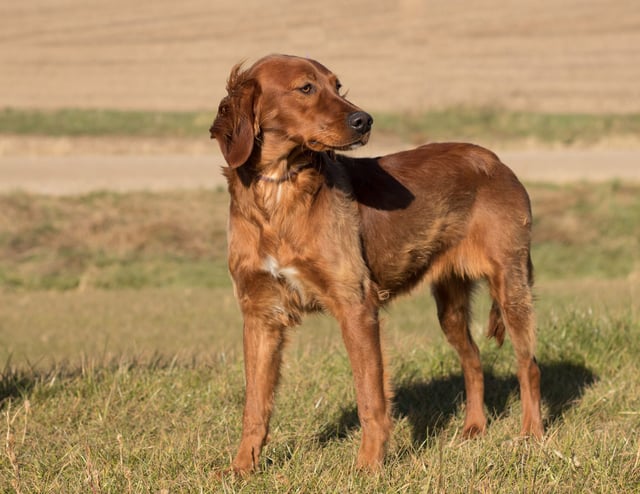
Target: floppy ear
[234, 126]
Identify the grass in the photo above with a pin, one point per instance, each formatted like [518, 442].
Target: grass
[497, 125]
[462, 123]
[123, 353]
[107, 240]
[88, 122]
[113, 241]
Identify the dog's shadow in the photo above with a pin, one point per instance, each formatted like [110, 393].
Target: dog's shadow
[429, 406]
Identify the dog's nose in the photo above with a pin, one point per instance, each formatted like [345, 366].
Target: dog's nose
[360, 121]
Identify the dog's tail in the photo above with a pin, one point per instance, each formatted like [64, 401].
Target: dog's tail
[496, 327]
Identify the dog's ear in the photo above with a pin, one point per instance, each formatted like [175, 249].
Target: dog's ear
[235, 125]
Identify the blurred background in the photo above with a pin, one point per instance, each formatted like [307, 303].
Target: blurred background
[145, 79]
[404, 55]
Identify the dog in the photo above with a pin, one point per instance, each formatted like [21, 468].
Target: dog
[314, 230]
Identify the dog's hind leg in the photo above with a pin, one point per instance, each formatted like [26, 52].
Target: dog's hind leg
[511, 288]
[453, 298]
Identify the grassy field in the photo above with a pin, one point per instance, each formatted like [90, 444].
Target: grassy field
[121, 344]
[482, 124]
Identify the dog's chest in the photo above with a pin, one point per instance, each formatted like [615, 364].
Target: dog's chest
[309, 249]
[282, 255]
[289, 274]
[308, 244]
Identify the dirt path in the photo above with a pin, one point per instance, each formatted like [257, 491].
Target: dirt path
[540, 55]
[63, 175]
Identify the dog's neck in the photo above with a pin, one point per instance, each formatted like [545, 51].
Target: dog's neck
[289, 175]
[276, 163]
[277, 186]
[269, 166]
[296, 169]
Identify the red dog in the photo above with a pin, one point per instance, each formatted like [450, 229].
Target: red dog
[313, 230]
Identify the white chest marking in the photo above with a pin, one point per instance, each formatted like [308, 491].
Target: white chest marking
[288, 273]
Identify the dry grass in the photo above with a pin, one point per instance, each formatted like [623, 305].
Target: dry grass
[587, 231]
[108, 240]
[139, 388]
[127, 424]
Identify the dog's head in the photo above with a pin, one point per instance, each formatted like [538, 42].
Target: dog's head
[283, 103]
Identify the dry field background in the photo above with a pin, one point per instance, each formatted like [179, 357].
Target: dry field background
[404, 56]
[568, 55]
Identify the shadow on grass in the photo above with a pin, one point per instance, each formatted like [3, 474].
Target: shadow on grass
[429, 406]
[15, 384]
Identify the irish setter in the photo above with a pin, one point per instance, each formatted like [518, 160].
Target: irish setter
[313, 230]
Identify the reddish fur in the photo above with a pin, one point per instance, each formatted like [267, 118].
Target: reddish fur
[312, 230]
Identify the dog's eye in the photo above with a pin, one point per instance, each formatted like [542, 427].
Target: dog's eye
[307, 88]
[338, 89]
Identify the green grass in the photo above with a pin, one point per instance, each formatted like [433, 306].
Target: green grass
[114, 241]
[147, 423]
[123, 360]
[89, 122]
[497, 125]
[590, 231]
[461, 123]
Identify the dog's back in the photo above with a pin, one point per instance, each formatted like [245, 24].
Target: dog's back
[440, 209]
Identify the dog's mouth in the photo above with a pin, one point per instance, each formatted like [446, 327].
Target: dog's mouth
[316, 145]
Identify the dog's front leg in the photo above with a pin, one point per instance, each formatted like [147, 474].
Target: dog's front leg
[263, 343]
[361, 334]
